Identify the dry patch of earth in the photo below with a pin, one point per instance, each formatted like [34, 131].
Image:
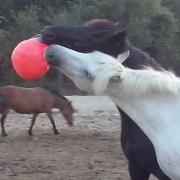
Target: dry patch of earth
[90, 150]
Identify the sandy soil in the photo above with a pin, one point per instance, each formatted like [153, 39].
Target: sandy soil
[89, 151]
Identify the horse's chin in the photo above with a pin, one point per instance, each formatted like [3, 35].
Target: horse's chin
[83, 85]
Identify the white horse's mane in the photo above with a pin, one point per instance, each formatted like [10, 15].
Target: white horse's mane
[150, 80]
[139, 82]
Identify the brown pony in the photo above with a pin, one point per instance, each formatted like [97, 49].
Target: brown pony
[33, 100]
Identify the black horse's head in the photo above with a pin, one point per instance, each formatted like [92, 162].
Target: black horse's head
[102, 35]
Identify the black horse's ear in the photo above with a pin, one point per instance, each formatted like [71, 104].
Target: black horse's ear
[121, 25]
[117, 36]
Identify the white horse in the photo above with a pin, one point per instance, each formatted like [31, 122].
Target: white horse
[151, 98]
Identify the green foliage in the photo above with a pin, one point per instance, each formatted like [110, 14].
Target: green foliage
[26, 22]
[174, 7]
[62, 17]
[4, 37]
[90, 9]
[163, 30]
[147, 20]
[153, 25]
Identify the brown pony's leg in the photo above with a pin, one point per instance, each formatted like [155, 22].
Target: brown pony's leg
[3, 117]
[49, 114]
[32, 123]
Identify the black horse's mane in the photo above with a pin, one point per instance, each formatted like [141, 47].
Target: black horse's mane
[117, 46]
[138, 58]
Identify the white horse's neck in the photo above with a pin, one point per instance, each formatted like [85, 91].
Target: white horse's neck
[152, 113]
[159, 118]
[151, 98]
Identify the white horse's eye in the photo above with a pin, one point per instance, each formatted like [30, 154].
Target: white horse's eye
[87, 74]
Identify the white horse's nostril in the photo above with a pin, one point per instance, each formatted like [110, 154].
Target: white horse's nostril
[50, 52]
[49, 56]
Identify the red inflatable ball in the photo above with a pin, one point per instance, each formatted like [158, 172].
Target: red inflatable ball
[28, 59]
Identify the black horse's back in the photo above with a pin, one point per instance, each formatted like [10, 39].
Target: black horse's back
[139, 59]
[136, 145]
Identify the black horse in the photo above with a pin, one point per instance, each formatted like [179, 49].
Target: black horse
[110, 38]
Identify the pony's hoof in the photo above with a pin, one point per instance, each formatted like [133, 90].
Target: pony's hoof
[4, 134]
[71, 124]
[56, 132]
[30, 133]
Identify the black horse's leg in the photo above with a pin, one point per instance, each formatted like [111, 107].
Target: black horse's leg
[164, 178]
[161, 176]
[3, 117]
[49, 114]
[137, 173]
[32, 123]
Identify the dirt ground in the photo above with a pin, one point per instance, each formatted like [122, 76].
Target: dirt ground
[89, 151]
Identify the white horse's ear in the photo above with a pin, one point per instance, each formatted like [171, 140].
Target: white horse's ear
[122, 57]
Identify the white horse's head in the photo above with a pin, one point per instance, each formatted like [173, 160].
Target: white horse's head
[89, 71]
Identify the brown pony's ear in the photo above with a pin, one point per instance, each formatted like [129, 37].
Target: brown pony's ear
[74, 110]
[70, 103]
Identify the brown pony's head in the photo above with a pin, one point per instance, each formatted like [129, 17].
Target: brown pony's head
[67, 112]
